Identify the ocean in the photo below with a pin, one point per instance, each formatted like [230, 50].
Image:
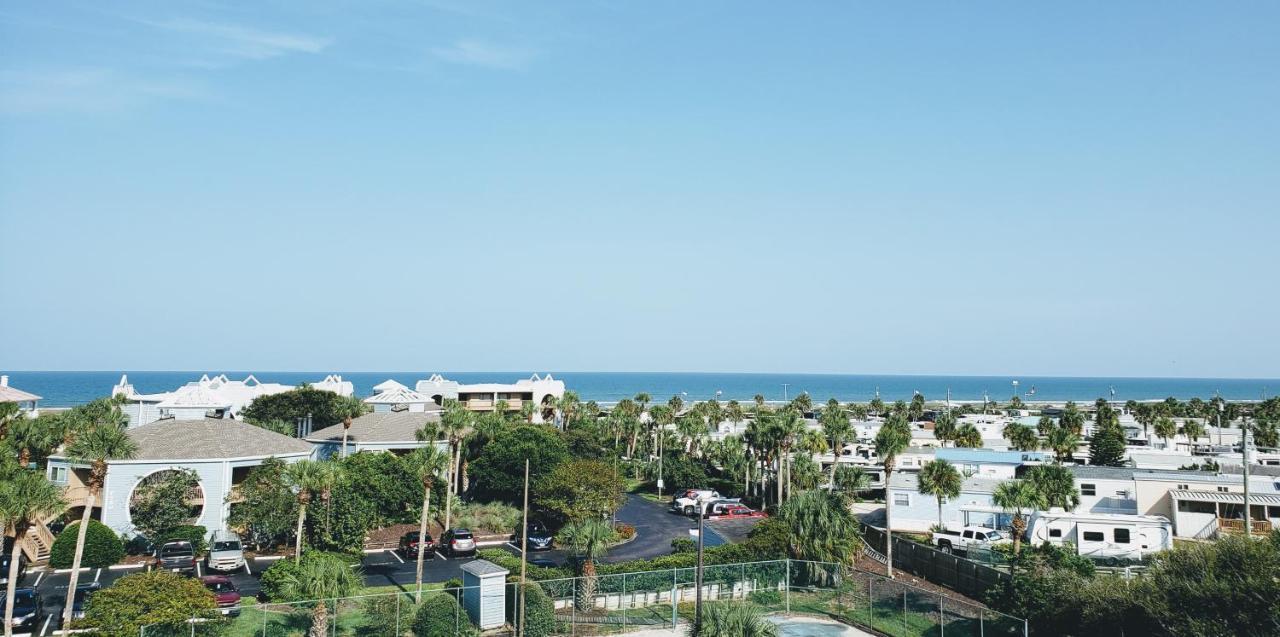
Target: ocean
[60, 389]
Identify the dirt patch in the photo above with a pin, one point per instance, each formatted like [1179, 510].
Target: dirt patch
[869, 565]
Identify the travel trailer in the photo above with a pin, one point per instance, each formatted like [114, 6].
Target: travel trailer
[1103, 535]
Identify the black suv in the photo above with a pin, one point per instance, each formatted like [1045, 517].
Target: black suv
[409, 545]
[539, 538]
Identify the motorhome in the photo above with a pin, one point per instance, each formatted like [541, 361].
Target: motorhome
[1103, 535]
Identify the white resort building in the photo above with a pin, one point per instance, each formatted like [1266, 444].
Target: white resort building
[26, 401]
[218, 396]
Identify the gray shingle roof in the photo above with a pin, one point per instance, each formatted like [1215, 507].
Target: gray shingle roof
[483, 567]
[1088, 472]
[394, 426]
[210, 439]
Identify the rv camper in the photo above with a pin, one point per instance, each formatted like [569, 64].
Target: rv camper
[1103, 535]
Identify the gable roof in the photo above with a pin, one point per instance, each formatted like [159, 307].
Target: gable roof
[394, 426]
[399, 396]
[12, 395]
[211, 439]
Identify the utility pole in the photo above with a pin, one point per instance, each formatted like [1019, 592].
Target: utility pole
[1244, 454]
[784, 392]
[697, 604]
[524, 544]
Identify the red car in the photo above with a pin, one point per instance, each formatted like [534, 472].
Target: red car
[224, 592]
[740, 511]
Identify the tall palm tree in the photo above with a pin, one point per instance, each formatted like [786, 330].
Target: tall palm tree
[1057, 484]
[944, 428]
[1016, 497]
[1045, 425]
[34, 437]
[96, 441]
[351, 408]
[454, 423]
[968, 436]
[587, 539]
[734, 413]
[1192, 429]
[759, 401]
[802, 403]
[851, 480]
[568, 405]
[836, 427]
[915, 411]
[1064, 442]
[891, 440]
[428, 463]
[307, 479]
[320, 577]
[1072, 418]
[787, 424]
[941, 480]
[1166, 428]
[1022, 437]
[25, 500]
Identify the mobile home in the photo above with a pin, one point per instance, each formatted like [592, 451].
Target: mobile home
[1103, 535]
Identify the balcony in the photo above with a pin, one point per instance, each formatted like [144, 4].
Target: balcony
[479, 404]
[1237, 526]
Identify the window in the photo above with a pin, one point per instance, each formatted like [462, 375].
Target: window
[1094, 536]
[1192, 506]
[1184, 487]
[968, 535]
[1123, 493]
[902, 499]
[1055, 532]
[1224, 489]
[1088, 489]
[1121, 536]
[58, 475]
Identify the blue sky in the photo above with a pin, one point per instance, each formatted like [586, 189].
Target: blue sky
[988, 188]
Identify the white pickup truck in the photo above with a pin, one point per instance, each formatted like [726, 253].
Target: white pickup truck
[979, 537]
[691, 500]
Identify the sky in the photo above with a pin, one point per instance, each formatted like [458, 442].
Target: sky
[1085, 188]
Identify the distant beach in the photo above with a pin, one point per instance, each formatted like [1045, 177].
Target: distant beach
[71, 388]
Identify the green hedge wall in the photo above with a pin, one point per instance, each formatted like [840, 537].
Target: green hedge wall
[102, 547]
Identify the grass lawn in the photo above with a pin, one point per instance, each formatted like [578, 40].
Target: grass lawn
[282, 620]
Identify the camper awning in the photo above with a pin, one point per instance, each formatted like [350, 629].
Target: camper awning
[1227, 498]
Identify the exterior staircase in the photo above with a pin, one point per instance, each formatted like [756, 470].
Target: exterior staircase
[37, 543]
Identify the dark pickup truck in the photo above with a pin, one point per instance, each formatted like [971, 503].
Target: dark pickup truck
[179, 557]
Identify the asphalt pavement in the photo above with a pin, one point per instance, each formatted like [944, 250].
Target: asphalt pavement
[655, 528]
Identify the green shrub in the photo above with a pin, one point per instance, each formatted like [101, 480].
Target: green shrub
[102, 547]
[539, 612]
[160, 601]
[683, 545]
[494, 516]
[441, 616]
[768, 597]
[385, 613]
[195, 534]
[272, 580]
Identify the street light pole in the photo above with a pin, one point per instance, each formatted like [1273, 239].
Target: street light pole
[1244, 454]
[784, 392]
[697, 604]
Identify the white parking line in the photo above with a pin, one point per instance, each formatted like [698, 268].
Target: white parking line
[513, 546]
[198, 569]
[38, 578]
[441, 556]
[45, 629]
[246, 568]
[96, 576]
[393, 554]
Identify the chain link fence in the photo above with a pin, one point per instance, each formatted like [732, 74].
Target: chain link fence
[653, 602]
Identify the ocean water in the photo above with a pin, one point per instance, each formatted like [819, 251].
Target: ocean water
[72, 388]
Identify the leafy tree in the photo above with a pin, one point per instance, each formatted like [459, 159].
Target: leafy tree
[25, 500]
[733, 619]
[1057, 484]
[317, 576]
[98, 435]
[344, 515]
[1193, 430]
[386, 616]
[579, 489]
[1016, 497]
[388, 482]
[683, 472]
[1228, 587]
[941, 480]
[539, 612]
[101, 546]
[441, 616]
[268, 509]
[499, 470]
[156, 600]
[822, 529]
[326, 408]
[587, 539]
[1107, 447]
[162, 501]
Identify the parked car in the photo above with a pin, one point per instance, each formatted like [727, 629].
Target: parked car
[538, 538]
[409, 545]
[718, 507]
[457, 542]
[84, 593]
[4, 566]
[225, 552]
[971, 537]
[28, 609]
[687, 501]
[224, 593]
[738, 511]
[179, 557]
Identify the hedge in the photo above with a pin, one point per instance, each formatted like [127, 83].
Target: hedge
[539, 611]
[102, 547]
[441, 616]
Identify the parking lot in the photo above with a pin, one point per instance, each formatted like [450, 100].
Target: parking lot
[655, 528]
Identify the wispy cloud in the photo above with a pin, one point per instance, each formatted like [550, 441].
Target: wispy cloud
[86, 89]
[485, 54]
[245, 42]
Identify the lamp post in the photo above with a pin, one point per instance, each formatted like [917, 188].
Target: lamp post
[1244, 455]
[697, 603]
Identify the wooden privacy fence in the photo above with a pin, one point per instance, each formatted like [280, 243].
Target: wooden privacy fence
[964, 576]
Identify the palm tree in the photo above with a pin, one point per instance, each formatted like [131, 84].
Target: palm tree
[1072, 418]
[1192, 429]
[915, 411]
[968, 436]
[1057, 484]
[944, 428]
[692, 429]
[876, 406]
[940, 479]
[320, 577]
[454, 423]
[1016, 496]
[787, 425]
[733, 619]
[891, 440]
[97, 441]
[307, 478]
[350, 407]
[1022, 437]
[851, 480]
[428, 462]
[25, 500]
[1045, 425]
[1166, 428]
[676, 404]
[34, 437]
[803, 403]
[759, 401]
[835, 426]
[734, 413]
[1064, 442]
[587, 539]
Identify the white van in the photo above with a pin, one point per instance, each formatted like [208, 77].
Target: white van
[225, 552]
[1103, 535]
